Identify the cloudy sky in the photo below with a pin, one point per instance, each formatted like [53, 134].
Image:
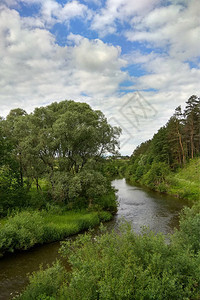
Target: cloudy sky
[135, 60]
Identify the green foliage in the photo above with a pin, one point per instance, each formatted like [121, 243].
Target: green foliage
[189, 233]
[107, 202]
[44, 284]
[114, 167]
[126, 266]
[55, 144]
[11, 192]
[173, 145]
[155, 177]
[160, 146]
[25, 229]
[21, 231]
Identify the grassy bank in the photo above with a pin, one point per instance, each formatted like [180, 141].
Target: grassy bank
[25, 229]
[184, 183]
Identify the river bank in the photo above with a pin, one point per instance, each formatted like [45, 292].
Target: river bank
[26, 229]
[183, 184]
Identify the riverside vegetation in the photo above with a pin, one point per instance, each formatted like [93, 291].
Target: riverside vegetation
[51, 183]
[125, 265]
[169, 162]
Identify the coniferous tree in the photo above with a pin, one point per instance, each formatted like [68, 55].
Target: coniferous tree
[192, 125]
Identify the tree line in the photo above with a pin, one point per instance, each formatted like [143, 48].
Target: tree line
[54, 152]
[170, 148]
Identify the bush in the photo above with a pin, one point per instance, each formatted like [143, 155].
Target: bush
[21, 231]
[44, 284]
[127, 266]
[155, 177]
[105, 216]
[108, 202]
[189, 234]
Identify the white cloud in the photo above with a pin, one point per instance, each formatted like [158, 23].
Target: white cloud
[35, 70]
[119, 10]
[176, 27]
[161, 16]
[52, 12]
[166, 74]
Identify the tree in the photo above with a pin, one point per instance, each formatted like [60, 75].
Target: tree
[15, 130]
[56, 142]
[175, 128]
[192, 125]
[160, 146]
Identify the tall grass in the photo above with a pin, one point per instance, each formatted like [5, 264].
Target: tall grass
[28, 228]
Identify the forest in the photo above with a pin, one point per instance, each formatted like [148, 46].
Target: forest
[154, 162]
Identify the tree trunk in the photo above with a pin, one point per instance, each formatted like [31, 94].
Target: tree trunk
[192, 141]
[181, 144]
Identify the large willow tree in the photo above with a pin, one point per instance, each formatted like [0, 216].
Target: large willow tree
[59, 142]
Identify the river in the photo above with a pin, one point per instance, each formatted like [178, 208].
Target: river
[137, 205]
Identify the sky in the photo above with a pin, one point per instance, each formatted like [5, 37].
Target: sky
[135, 60]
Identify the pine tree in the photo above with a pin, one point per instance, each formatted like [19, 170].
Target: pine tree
[192, 125]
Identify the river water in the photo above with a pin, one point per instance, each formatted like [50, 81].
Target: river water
[137, 205]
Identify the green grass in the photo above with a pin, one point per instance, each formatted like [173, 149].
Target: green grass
[28, 228]
[69, 223]
[185, 183]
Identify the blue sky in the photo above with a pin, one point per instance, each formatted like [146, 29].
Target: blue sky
[135, 60]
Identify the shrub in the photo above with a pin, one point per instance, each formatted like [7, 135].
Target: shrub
[108, 202]
[156, 175]
[127, 266]
[44, 284]
[22, 231]
[189, 234]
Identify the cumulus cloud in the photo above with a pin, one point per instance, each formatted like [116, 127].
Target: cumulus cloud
[52, 12]
[173, 26]
[164, 73]
[119, 11]
[34, 69]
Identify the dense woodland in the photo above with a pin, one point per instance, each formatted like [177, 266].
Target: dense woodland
[53, 156]
[170, 148]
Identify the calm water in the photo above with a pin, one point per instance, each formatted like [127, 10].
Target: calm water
[136, 205]
[142, 207]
